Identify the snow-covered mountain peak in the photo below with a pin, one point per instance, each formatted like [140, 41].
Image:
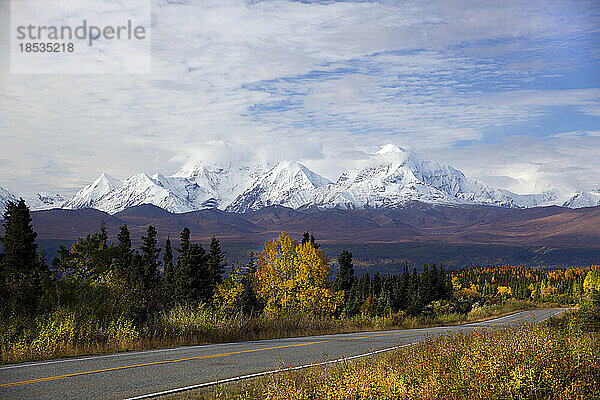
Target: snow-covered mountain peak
[190, 170]
[143, 189]
[584, 198]
[391, 177]
[158, 177]
[289, 183]
[391, 149]
[293, 170]
[105, 179]
[391, 154]
[90, 194]
[6, 196]
[45, 201]
[396, 176]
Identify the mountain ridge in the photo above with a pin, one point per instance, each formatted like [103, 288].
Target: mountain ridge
[391, 178]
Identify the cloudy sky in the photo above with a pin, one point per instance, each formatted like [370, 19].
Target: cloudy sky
[508, 92]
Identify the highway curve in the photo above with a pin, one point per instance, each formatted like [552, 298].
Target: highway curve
[127, 375]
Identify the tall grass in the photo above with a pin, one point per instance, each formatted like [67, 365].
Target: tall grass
[69, 332]
[543, 361]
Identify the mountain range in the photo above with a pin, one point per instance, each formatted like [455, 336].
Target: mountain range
[392, 178]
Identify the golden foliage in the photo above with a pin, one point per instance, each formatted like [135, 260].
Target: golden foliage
[504, 291]
[228, 292]
[293, 277]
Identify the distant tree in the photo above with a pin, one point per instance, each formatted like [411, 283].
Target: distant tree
[444, 284]
[19, 252]
[182, 274]
[251, 263]
[236, 293]
[353, 301]
[227, 294]
[401, 297]
[310, 238]
[87, 259]
[305, 238]
[21, 270]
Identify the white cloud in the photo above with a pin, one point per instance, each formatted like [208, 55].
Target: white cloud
[525, 164]
[415, 75]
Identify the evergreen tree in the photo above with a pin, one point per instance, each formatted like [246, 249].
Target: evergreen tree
[202, 276]
[414, 294]
[149, 254]
[310, 238]
[353, 302]
[425, 288]
[168, 272]
[313, 242]
[192, 277]
[251, 263]
[346, 274]
[249, 303]
[21, 270]
[375, 286]
[305, 237]
[216, 262]
[123, 251]
[138, 295]
[403, 287]
[444, 285]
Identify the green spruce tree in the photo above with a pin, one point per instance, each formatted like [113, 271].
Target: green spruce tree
[149, 253]
[249, 303]
[192, 277]
[216, 262]
[346, 274]
[21, 270]
[168, 272]
[123, 251]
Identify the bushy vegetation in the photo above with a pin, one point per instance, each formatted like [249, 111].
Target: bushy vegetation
[99, 296]
[556, 360]
[562, 286]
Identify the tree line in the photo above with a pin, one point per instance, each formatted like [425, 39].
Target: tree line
[106, 280]
[564, 286]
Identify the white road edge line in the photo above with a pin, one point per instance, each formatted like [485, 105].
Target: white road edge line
[238, 378]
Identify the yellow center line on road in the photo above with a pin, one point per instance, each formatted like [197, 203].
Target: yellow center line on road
[59, 377]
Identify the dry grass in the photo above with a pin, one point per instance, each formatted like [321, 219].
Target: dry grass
[65, 333]
[544, 361]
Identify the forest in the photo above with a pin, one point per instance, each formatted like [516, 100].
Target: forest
[102, 296]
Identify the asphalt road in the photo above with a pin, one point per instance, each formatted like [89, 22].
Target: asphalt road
[131, 374]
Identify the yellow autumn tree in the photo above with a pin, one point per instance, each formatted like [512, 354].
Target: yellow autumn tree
[592, 281]
[294, 278]
[504, 291]
[455, 283]
[227, 293]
